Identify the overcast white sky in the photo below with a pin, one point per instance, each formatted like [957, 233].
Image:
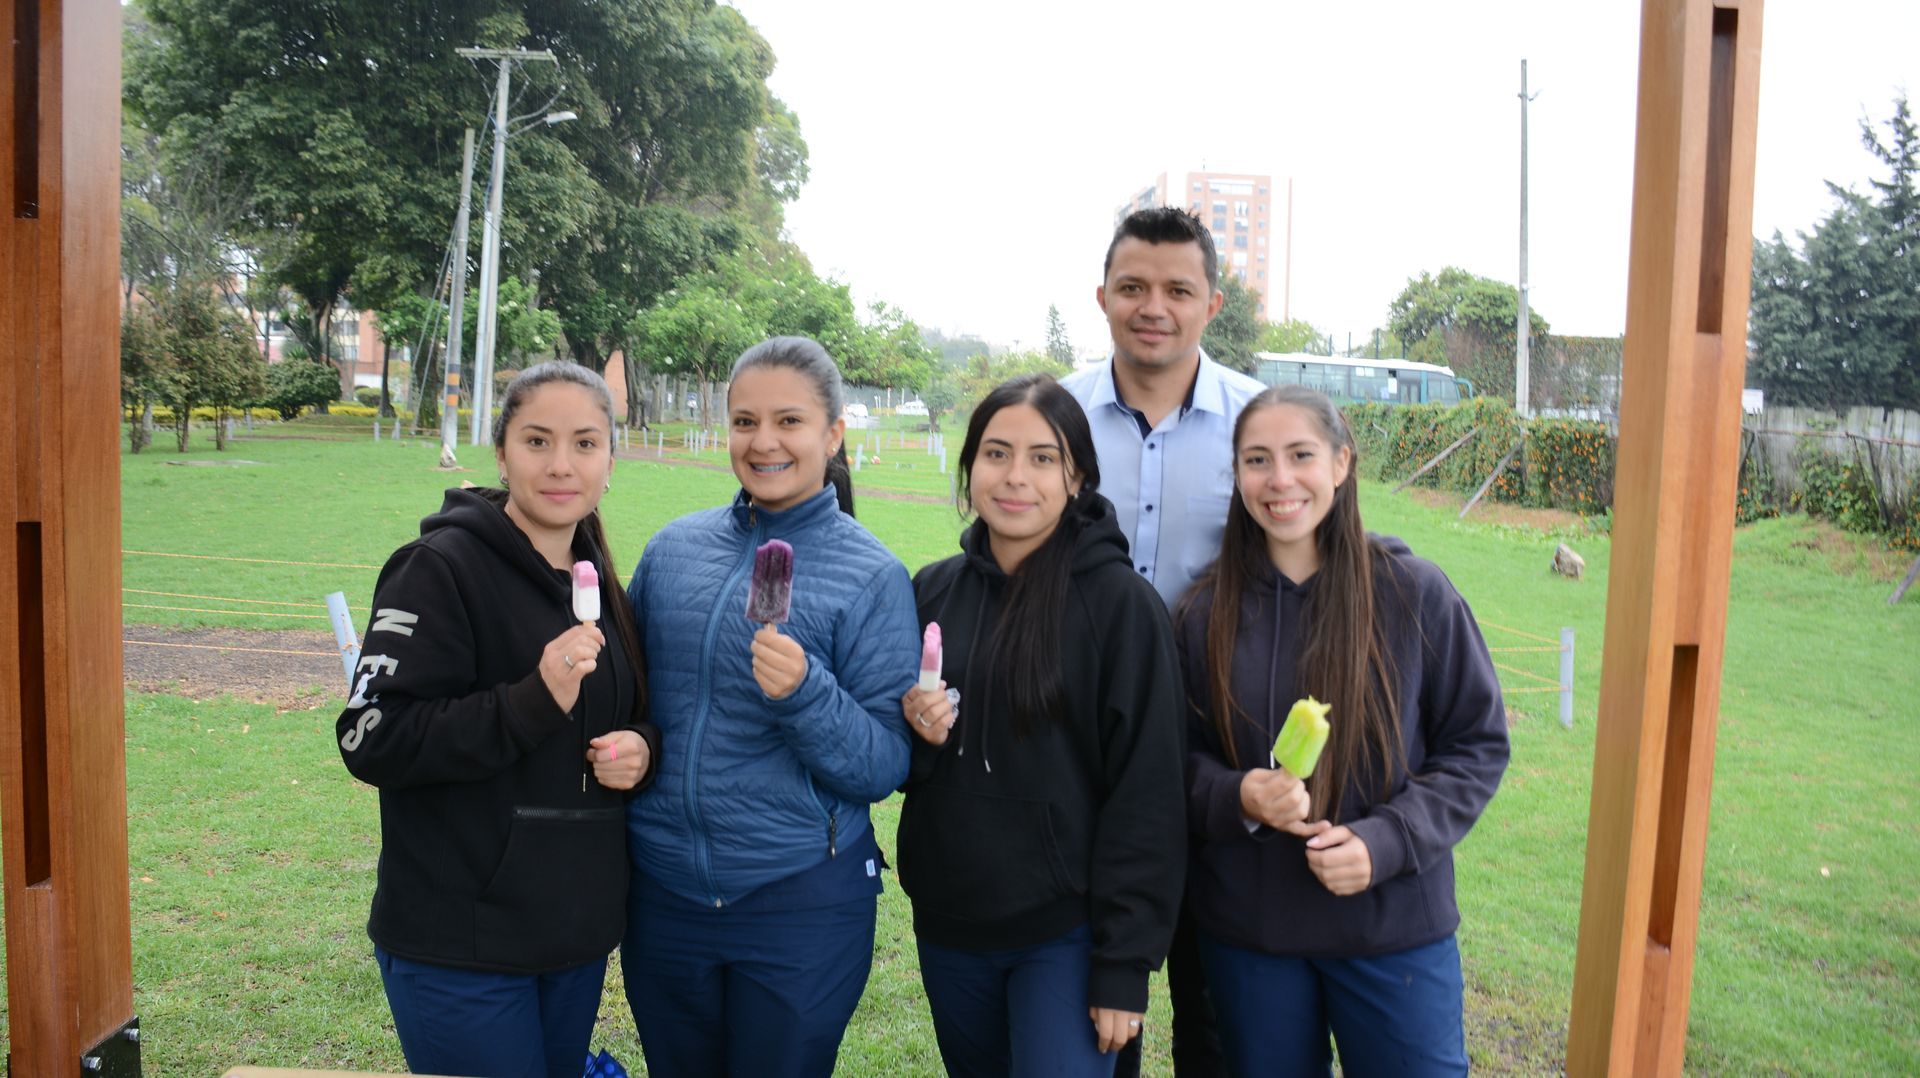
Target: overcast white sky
[967, 157]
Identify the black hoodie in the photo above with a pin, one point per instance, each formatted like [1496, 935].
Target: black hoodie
[1253, 888]
[1009, 840]
[498, 849]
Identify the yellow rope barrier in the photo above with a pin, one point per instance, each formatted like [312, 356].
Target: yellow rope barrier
[259, 561]
[1551, 681]
[1520, 632]
[215, 598]
[235, 613]
[216, 647]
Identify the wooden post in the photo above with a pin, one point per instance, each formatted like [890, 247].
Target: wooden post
[1685, 356]
[62, 757]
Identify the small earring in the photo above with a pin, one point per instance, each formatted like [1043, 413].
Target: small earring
[608, 487]
[503, 482]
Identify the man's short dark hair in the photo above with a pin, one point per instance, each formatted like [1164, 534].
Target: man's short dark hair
[1167, 224]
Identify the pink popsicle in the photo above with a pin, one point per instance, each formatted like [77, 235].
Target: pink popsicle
[930, 655]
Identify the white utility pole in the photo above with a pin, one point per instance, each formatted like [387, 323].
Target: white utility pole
[450, 414]
[1522, 398]
[482, 395]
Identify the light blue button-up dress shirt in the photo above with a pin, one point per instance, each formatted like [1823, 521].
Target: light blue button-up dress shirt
[1171, 485]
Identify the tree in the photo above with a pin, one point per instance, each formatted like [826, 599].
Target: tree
[1234, 334]
[146, 370]
[941, 395]
[1057, 344]
[347, 131]
[1292, 336]
[1837, 323]
[296, 383]
[191, 350]
[983, 372]
[1464, 322]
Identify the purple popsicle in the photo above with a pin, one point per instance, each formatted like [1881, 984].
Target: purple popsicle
[770, 595]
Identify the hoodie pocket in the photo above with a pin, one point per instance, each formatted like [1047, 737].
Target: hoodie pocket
[559, 894]
[980, 857]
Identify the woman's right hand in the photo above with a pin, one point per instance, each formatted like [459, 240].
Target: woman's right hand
[1274, 797]
[929, 714]
[567, 660]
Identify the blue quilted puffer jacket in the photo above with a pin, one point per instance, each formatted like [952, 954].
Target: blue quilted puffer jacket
[750, 790]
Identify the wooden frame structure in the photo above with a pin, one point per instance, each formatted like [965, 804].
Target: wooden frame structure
[1685, 357]
[62, 719]
[62, 762]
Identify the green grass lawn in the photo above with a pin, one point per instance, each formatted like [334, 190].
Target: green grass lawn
[252, 851]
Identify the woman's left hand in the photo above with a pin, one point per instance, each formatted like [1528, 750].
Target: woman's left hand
[779, 663]
[620, 759]
[1113, 1029]
[1340, 858]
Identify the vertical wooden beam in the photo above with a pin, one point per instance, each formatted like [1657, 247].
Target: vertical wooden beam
[62, 754]
[1685, 358]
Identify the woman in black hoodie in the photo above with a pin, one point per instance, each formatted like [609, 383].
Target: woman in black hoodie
[1042, 837]
[503, 734]
[1327, 904]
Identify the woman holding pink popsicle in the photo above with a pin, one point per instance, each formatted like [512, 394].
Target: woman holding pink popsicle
[504, 735]
[1043, 836]
[781, 635]
[1324, 900]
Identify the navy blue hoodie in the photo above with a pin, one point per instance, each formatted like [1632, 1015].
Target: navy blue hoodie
[1010, 839]
[1253, 889]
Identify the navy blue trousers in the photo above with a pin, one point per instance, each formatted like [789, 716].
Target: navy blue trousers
[759, 991]
[1392, 1014]
[492, 1025]
[1019, 1012]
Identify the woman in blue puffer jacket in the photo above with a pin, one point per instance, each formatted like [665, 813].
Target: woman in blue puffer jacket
[755, 871]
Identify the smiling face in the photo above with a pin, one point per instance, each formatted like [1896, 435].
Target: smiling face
[1157, 301]
[1287, 473]
[1019, 482]
[779, 436]
[556, 459]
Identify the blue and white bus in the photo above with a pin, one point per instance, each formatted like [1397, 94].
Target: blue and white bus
[1356, 378]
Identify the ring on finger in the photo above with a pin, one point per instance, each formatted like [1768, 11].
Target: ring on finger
[568, 659]
[1133, 1023]
[921, 719]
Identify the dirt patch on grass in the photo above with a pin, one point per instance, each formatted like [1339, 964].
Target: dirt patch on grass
[1490, 511]
[287, 669]
[1849, 554]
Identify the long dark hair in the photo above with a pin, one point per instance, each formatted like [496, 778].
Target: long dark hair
[1026, 639]
[806, 356]
[613, 598]
[1345, 661]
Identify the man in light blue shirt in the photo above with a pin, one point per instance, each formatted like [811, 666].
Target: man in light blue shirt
[1162, 415]
[1162, 412]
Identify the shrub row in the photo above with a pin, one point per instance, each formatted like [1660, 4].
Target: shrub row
[1569, 464]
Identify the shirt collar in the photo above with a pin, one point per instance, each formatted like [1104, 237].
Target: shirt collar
[1205, 392]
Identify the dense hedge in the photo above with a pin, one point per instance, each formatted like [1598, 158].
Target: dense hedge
[1568, 464]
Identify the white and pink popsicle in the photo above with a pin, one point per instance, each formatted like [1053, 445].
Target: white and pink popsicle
[930, 656]
[586, 592]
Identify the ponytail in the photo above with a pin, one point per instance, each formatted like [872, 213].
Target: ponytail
[840, 478]
[613, 601]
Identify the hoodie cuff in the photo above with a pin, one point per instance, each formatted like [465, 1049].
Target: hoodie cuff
[1386, 846]
[1117, 987]
[532, 713]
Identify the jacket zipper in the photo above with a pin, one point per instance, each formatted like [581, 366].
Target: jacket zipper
[702, 855]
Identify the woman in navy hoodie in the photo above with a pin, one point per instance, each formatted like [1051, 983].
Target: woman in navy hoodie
[504, 735]
[1327, 905]
[1042, 839]
[750, 927]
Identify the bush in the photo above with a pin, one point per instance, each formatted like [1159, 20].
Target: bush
[1395, 440]
[368, 396]
[1569, 465]
[293, 384]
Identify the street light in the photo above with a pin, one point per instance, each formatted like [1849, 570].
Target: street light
[482, 396]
